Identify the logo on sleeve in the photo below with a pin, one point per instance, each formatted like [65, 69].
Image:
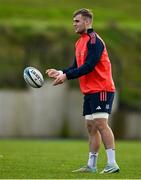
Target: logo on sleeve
[93, 38]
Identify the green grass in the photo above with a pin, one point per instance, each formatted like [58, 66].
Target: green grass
[48, 159]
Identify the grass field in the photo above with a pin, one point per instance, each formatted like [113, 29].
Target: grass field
[55, 159]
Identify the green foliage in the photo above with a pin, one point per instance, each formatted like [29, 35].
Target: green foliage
[41, 13]
[124, 49]
[39, 33]
[55, 159]
[20, 48]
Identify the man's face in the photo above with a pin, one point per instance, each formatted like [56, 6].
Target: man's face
[79, 23]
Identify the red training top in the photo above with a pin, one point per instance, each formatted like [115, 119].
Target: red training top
[91, 65]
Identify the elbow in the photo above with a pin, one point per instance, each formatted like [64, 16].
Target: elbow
[89, 69]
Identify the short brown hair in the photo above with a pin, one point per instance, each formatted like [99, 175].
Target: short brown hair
[84, 12]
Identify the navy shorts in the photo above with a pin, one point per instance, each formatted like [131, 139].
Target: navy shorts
[98, 102]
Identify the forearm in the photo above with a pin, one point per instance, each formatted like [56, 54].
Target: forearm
[73, 66]
[78, 72]
[93, 57]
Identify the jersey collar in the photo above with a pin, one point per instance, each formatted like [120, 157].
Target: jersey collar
[90, 30]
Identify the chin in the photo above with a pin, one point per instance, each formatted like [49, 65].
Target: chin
[78, 32]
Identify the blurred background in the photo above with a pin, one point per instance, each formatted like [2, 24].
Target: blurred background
[39, 33]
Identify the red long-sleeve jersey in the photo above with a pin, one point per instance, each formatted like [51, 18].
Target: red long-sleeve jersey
[92, 65]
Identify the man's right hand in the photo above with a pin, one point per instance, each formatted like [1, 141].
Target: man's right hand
[53, 73]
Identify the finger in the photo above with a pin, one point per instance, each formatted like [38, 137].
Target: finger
[57, 81]
[54, 74]
[50, 70]
[47, 71]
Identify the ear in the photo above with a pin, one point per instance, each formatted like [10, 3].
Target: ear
[88, 22]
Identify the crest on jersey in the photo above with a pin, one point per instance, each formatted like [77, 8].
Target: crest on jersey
[93, 38]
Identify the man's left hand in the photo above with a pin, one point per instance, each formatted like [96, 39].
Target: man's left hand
[59, 79]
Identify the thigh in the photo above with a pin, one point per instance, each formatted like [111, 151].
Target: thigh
[91, 126]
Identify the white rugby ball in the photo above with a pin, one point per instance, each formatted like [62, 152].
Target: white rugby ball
[33, 77]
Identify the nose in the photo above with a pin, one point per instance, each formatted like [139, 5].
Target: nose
[74, 23]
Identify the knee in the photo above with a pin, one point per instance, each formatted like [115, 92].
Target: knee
[101, 125]
[89, 128]
[92, 130]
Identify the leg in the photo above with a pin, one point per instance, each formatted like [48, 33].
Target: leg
[94, 136]
[105, 132]
[94, 143]
[108, 141]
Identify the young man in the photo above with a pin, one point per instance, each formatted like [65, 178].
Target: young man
[93, 69]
